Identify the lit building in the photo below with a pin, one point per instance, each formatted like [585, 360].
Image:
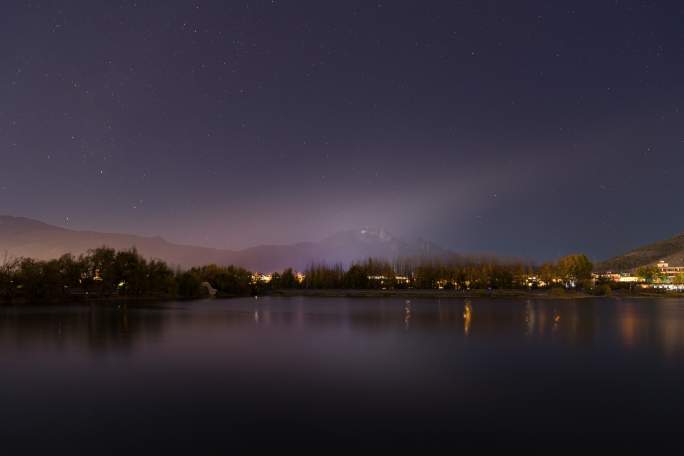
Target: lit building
[399, 280]
[258, 277]
[666, 269]
[628, 278]
[534, 282]
[618, 278]
[668, 287]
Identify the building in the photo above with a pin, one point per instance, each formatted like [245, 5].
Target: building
[258, 277]
[628, 278]
[668, 287]
[534, 282]
[665, 268]
[389, 280]
[211, 291]
[624, 277]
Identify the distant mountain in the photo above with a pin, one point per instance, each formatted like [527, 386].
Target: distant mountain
[22, 237]
[670, 250]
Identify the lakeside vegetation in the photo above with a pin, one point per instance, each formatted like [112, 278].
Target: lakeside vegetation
[107, 273]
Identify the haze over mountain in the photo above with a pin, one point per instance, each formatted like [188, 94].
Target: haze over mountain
[23, 237]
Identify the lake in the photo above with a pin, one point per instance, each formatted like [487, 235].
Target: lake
[217, 375]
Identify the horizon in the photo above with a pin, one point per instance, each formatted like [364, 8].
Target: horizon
[481, 127]
[361, 230]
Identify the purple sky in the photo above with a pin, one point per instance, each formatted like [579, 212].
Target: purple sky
[529, 128]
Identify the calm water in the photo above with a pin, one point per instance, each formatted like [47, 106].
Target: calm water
[224, 374]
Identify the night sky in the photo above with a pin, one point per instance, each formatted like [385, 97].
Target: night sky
[525, 128]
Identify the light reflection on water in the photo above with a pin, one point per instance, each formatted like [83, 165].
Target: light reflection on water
[340, 368]
[655, 324]
[467, 317]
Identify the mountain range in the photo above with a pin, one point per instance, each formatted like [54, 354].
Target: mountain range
[670, 250]
[23, 237]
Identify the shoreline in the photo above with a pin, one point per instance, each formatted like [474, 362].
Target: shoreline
[358, 294]
[470, 294]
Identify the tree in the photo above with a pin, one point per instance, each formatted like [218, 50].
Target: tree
[648, 273]
[160, 278]
[188, 285]
[288, 279]
[356, 277]
[8, 272]
[130, 269]
[70, 270]
[548, 272]
[102, 260]
[575, 269]
[276, 282]
[229, 280]
[30, 280]
[324, 276]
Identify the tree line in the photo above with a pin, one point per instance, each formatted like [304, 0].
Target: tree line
[572, 271]
[105, 272]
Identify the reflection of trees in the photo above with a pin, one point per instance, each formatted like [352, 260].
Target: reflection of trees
[118, 326]
[110, 327]
[99, 328]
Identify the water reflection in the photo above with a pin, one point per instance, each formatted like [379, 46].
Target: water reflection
[229, 371]
[629, 324]
[407, 314]
[90, 326]
[670, 326]
[530, 318]
[467, 317]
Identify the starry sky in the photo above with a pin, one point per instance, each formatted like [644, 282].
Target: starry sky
[526, 128]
